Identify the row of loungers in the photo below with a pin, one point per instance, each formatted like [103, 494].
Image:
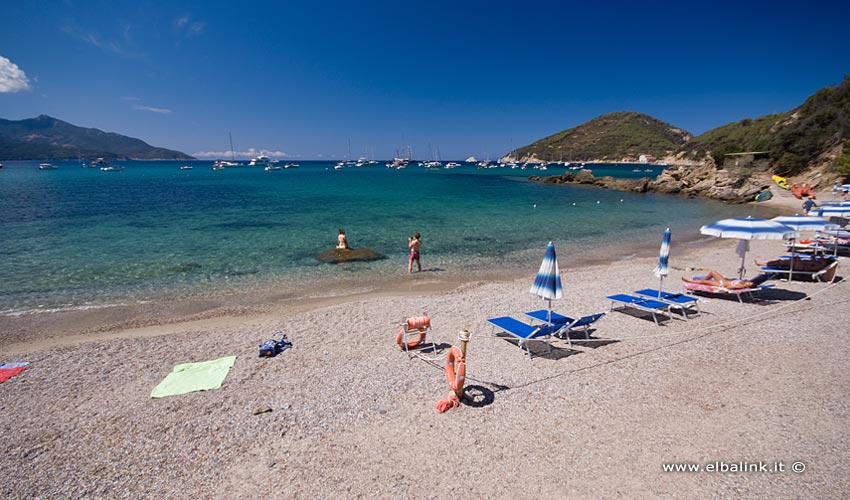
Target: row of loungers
[655, 302]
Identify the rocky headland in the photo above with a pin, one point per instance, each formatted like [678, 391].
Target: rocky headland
[690, 180]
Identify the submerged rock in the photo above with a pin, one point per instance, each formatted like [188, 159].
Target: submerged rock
[337, 255]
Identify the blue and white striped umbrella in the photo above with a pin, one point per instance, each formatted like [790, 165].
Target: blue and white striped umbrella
[748, 228]
[831, 211]
[805, 222]
[547, 284]
[661, 270]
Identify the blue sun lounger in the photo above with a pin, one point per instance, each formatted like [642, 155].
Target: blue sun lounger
[524, 332]
[643, 304]
[678, 301]
[566, 323]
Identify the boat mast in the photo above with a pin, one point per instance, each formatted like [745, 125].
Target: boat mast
[232, 155]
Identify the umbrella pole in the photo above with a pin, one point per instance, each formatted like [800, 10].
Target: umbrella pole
[549, 318]
[741, 271]
[791, 264]
[660, 285]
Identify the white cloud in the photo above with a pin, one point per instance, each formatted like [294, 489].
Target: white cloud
[189, 28]
[242, 154]
[162, 111]
[12, 78]
[126, 49]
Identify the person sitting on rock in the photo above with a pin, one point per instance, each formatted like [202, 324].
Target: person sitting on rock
[342, 241]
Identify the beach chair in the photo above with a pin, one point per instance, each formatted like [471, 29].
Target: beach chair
[651, 306]
[739, 293]
[525, 332]
[826, 274]
[566, 323]
[678, 301]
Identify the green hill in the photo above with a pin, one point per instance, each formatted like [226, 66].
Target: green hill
[794, 140]
[609, 137]
[46, 138]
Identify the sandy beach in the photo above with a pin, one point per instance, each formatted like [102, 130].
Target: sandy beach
[353, 416]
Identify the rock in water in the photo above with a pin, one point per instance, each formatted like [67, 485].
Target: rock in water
[337, 255]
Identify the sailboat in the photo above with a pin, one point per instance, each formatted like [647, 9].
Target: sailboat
[220, 164]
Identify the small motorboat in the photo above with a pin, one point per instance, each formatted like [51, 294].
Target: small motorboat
[112, 168]
[186, 167]
[273, 167]
[47, 166]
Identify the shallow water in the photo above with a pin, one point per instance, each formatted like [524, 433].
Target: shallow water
[76, 237]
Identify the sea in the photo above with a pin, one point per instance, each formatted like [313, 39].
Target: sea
[76, 238]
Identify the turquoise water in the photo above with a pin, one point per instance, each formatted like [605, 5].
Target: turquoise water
[81, 237]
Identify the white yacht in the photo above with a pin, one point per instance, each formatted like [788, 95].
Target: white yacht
[47, 166]
[98, 163]
[261, 161]
[112, 168]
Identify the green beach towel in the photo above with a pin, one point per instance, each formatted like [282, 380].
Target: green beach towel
[191, 377]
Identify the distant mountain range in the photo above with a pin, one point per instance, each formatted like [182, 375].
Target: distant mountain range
[46, 138]
[814, 134]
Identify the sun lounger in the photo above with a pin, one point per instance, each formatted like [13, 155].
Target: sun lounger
[826, 274]
[643, 304]
[678, 301]
[524, 332]
[566, 323]
[739, 292]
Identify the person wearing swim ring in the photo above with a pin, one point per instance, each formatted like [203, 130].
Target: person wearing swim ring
[414, 243]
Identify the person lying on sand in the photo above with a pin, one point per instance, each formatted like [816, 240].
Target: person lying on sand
[800, 264]
[713, 278]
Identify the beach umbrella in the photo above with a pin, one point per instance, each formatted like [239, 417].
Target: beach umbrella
[661, 269]
[802, 223]
[831, 211]
[748, 229]
[547, 284]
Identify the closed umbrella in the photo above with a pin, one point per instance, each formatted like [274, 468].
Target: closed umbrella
[661, 269]
[802, 223]
[547, 284]
[748, 228]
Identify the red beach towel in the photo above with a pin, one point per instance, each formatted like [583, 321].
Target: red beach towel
[9, 370]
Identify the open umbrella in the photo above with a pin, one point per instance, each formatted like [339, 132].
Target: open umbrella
[661, 269]
[547, 284]
[747, 229]
[831, 211]
[802, 223]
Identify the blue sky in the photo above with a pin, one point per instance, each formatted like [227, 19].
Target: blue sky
[467, 77]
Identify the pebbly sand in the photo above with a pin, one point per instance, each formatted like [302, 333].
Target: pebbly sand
[353, 416]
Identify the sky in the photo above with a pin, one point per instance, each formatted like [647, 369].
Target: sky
[458, 78]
